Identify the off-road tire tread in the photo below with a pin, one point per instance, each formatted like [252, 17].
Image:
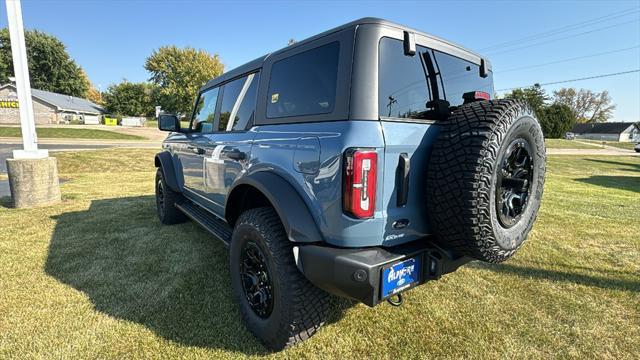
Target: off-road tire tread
[171, 214]
[307, 305]
[459, 177]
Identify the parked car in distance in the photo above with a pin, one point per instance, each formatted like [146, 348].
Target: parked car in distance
[361, 162]
[569, 136]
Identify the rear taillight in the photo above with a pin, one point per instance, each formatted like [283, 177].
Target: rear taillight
[359, 194]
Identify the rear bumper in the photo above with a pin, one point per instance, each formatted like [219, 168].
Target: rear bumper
[355, 273]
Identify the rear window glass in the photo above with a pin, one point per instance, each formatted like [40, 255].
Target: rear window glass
[408, 86]
[403, 89]
[304, 84]
[460, 76]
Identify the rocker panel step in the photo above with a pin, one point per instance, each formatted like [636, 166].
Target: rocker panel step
[208, 221]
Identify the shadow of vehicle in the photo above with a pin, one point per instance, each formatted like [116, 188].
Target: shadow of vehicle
[629, 183]
[607, 281]
[174, 280]
[628, 166]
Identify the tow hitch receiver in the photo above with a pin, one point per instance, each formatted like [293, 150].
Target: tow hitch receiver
[397, 302]
[374, 275]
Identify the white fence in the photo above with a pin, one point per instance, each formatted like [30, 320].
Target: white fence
[133, 121]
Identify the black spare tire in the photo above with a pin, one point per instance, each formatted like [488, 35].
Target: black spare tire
[485, 179]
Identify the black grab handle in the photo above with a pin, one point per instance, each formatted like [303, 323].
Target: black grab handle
[404, 167]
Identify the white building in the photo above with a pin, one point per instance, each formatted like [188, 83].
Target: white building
[608, 131]
[48, 107]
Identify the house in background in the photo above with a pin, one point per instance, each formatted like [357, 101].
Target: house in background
[608, 131]
[48, 107]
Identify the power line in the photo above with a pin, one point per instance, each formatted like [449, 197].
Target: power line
[566, 28]
[563, 38]
[567, 60]
[572, 80]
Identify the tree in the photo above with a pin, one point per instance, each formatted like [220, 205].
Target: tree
[133, 99]
[179, 73]
[587, 106]
[92, 94]
[50, 66]
[556, 120]
[535, 96]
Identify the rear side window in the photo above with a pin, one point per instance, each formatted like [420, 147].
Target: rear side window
[460, 76]
[403, 89]
[304, 84]
[238, 103]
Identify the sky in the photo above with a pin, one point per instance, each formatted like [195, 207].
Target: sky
[112, 39]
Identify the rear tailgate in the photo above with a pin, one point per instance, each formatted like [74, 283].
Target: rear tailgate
[413, 141]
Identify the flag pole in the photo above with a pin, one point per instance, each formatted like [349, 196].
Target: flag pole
[23, 85]
[33, 175]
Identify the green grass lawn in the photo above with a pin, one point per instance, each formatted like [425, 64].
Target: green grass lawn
[566, 144]
[69, 133]
[618, 144]
[97, 276]
[151, 123]
[154, 124]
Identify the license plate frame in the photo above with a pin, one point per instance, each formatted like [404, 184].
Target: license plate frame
[400, 280]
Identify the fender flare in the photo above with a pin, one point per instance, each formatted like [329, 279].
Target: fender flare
[285, 199]
[164, 160]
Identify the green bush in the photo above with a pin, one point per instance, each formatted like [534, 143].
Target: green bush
[556, 120]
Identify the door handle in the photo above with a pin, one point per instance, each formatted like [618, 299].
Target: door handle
[196, 150]
[236, 155]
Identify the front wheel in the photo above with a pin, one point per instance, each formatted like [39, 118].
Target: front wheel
[166, 200]
[278, 304]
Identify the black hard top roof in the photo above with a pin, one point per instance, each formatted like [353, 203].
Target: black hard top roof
[257, 63]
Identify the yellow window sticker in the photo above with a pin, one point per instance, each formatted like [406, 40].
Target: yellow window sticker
[274, 98]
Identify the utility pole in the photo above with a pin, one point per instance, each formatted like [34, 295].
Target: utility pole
[33, 175]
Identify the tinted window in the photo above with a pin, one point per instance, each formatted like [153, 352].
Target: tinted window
[205, 111]
[238, 103]
[304, 84]
[460, 76]
[403, 89]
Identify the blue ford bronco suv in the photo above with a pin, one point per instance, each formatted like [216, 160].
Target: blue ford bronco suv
[361, 162]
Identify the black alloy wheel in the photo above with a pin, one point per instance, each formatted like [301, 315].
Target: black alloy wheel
[256, 282]
[160, 198]
[513, 184]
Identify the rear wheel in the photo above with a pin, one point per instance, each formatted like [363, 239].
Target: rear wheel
[485, 179]
[278, 304]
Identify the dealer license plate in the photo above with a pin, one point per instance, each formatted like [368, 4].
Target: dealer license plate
[401, 276]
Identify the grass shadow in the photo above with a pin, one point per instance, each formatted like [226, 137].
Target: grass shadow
[604, 282]
[629, 183]
[173, 280]
[628, 166]
[6, 202]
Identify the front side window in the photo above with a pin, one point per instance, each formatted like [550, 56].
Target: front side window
[238, 103]
[304, 84]
[205, 111]
[403, 90]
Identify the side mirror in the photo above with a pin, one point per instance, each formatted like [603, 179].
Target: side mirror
[168, 122]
